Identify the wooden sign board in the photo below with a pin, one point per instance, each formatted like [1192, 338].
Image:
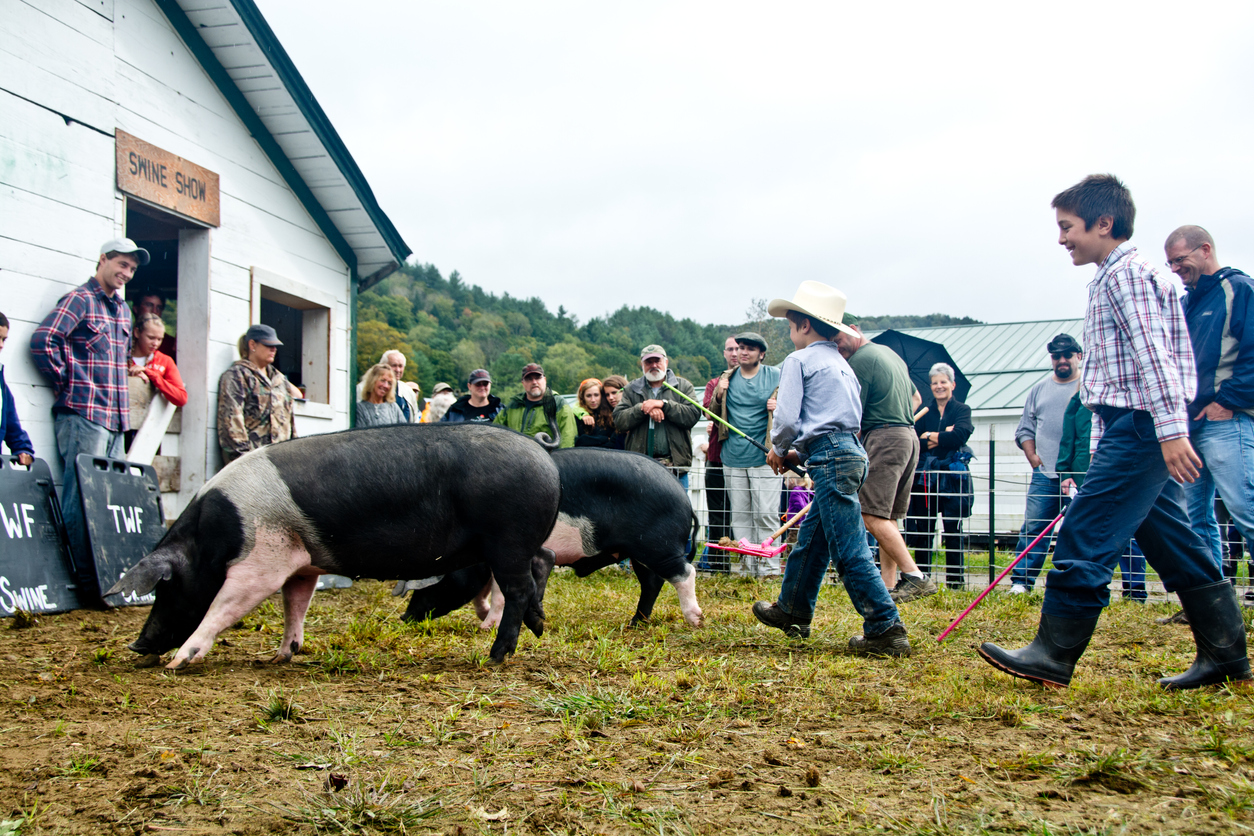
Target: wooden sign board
[156, 175]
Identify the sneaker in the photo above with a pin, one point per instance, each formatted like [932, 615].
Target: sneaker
[892, 642]
[910, 588]
[1018, 589]
[1178, 618]
[772, 616]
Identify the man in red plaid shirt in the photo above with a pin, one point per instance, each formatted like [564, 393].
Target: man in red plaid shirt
[1138, 380]
[82, 348]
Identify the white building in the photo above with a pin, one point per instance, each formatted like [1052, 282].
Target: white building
[186, 127]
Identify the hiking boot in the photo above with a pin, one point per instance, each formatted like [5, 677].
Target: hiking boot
[772, 616]
[891, 642]
[1181, 617]
[1050, 658]
[910, 588]
[1219, 632]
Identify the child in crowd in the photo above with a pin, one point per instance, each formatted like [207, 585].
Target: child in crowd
[10, 427]
[817, 417]
[1138, 380]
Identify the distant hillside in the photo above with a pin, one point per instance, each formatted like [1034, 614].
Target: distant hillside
[448, 328]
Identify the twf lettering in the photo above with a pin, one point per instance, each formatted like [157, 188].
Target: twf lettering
[13, 527]
[26, 598]
[128, 517]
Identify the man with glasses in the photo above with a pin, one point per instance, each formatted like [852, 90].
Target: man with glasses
[480, 406]
[537, 409]
[1219, 311]
[1038, 436]
[658, 422]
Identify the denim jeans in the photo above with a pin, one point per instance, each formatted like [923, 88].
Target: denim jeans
[1227, 451]
[1127, 492]
[75, 434]
[1044, 504]
[833, 532]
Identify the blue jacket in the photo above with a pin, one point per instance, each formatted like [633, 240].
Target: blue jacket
[1220, 314]
[10, 427]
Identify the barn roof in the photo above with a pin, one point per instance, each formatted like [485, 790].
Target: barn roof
[240, 52]
[1002, 361]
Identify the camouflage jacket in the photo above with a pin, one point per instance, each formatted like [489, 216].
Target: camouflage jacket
[254, 409]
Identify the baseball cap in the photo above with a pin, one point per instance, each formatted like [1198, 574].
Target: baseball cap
[532, 368]
[652, 351]
[127, 246]
[753, 338]
[441, 387]
[1062, 343]
[478, 375]
[263, 334]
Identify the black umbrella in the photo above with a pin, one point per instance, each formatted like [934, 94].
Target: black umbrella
[920, 355]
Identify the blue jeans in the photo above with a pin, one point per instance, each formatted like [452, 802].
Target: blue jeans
[1227, 451]
[75, 434]
[833, 533]
[1044, 504]
[1127, 492]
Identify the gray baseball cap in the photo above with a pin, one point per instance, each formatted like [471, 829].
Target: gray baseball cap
[263, 334]
[127, 247]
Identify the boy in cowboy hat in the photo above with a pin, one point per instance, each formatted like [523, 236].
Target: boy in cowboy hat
[817, 417]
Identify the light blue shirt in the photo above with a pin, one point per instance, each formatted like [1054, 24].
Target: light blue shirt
[818, 394]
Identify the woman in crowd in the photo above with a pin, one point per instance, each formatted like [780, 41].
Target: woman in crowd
[150, 371]
[378, 404]
[611, 393]
[255, 399]
[594, 416]
[943, 432]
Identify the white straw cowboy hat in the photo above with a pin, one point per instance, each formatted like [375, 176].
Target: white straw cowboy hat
[817, 300]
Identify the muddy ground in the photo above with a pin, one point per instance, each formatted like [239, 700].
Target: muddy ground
[388, 728]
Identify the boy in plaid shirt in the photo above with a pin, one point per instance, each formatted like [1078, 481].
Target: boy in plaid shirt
[1138, 380]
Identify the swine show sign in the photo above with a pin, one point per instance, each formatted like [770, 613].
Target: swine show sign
[34, 571]
[122, 506]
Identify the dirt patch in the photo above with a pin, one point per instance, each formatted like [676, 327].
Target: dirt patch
[381, 727]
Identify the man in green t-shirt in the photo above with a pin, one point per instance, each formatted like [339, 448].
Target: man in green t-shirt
[889, 400]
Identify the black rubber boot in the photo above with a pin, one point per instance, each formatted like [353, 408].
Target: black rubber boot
[1219, 631]
[1050, 658]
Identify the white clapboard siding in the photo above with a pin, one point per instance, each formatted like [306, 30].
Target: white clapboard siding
[59, 54]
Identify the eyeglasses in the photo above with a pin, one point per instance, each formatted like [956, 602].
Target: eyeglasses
[1178, 261]
[1062, 355]
[482, 383]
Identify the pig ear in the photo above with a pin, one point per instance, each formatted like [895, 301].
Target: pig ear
[144, 576]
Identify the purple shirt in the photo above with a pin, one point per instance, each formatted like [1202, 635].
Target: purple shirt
[81, 347]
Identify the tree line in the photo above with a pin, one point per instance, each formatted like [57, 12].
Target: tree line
[448, 328]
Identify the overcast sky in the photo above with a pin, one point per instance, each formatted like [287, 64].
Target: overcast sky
[694, 156]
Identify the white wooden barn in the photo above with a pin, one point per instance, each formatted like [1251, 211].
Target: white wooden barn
[186, 127]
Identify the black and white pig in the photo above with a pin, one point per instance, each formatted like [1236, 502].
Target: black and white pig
[408, 501]
[615, 505]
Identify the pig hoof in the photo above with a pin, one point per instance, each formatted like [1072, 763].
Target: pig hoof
[148, 660]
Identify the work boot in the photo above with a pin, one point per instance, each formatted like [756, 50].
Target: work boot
[772, 616]
[891, 642]
[910, 588]
[1050, 658]
[1180, 617]
[1219, 631]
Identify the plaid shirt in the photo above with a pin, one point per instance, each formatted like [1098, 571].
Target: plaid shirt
[82, 347]
[1137, 345]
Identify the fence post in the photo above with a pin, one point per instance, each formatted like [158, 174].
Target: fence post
[992, 506]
